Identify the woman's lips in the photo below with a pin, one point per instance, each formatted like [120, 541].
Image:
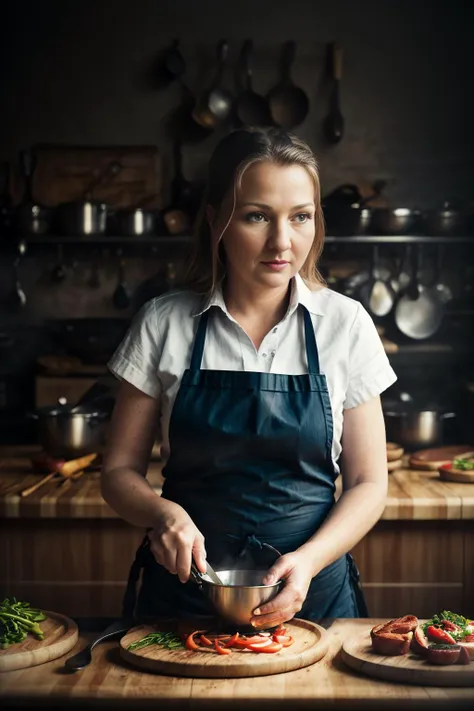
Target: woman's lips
[277, 265]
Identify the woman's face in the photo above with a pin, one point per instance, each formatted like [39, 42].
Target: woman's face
[272, 228]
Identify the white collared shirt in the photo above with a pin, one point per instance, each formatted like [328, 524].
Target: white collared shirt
[157, 348]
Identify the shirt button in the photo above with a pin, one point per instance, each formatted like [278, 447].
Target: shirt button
[264, 355]
[273, 353]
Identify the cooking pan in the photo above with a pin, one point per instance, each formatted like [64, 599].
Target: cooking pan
[251, 109]
[415, 426]
[396, 221]
[86, 217]
[444, 222]
[347, 213]
[289, 105]
[134, 221]
[214, 106]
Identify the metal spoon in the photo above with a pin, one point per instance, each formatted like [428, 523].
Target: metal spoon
[210, 572]
[84, 657]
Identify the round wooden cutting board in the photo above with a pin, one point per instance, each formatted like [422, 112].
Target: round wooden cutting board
[60, 636]
[357, 653]
[310, 645]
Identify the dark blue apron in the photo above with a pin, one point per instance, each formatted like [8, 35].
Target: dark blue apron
[250, 461]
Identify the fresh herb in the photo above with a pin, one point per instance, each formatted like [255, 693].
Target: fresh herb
[461, 622]
[168, 640]
[463, 464]
[17, 619]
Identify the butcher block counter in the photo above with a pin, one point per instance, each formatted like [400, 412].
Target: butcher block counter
[110, 682]
[64, 544]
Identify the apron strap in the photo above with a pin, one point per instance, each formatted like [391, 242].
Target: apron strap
[311, 347]
[198, 348]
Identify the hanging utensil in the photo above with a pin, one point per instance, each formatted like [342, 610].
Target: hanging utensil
[173, 62]
[289, 105]
[17, 298]
[251, 109]
[32, 218]
[381, 295]
[59, 271]
[214, 105]
[419, 311]
[121, 297]
[334, 121]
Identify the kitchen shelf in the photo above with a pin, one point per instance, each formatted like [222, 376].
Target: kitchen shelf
[182, 240]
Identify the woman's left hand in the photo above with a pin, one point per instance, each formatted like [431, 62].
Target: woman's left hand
[295, 570]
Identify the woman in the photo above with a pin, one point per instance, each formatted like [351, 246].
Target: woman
[266, 384]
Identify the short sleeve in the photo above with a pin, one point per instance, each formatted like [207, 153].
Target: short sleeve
[136, 359]
[370, 372]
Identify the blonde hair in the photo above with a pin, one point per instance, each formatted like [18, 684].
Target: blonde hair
[231, 158]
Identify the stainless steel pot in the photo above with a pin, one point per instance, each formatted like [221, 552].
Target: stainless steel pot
[68, 435]
[133, 222]
[415, 427]
[86, 217]
[444, 222]
[397, 221]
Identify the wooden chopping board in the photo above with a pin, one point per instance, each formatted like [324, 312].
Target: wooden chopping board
[431, 459]
[357, 653]
[60, 636]
[310, 645]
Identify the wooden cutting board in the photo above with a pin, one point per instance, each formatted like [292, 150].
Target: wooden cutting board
[431, 459]
[60, 636]
[310, 645]
[357, 653]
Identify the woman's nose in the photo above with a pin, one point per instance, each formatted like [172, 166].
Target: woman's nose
[279, 238]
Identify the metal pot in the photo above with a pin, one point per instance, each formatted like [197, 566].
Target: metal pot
[86, 217]
[396, 221]
[415, 427]
[68, 435]
[239, 595]
[444, 222]
[133, 222]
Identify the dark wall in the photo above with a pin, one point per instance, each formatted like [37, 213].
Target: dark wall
[79, 72]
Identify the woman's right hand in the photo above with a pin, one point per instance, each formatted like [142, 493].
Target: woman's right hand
[175, 541]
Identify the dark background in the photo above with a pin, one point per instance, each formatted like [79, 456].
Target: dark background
[82, 72]
[85, 73]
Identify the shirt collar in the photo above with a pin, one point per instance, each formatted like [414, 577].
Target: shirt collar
[301, 294]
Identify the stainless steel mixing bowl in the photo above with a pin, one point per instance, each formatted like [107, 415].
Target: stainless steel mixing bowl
[239, 595]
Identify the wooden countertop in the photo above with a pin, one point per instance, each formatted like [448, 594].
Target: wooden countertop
[412, 494]
[111, 682]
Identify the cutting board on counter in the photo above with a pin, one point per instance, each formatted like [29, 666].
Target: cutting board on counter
[310, 645]
[356, 653]
[60, 636]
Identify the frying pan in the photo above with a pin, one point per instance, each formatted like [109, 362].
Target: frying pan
[251, 109]
[419, 311]
[289, 104]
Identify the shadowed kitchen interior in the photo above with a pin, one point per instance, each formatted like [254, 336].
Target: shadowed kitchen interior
[110, 114]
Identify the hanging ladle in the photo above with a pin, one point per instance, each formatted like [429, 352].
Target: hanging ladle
[121, 297]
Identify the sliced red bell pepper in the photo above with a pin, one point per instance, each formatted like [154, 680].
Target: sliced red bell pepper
[205, 641]
[439, 635]
[267, 649]
[230, 642]
[221, 650]
[190, 643]
[285, 640]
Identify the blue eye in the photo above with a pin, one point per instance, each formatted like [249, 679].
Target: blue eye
[255, 217]
[303, 217]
